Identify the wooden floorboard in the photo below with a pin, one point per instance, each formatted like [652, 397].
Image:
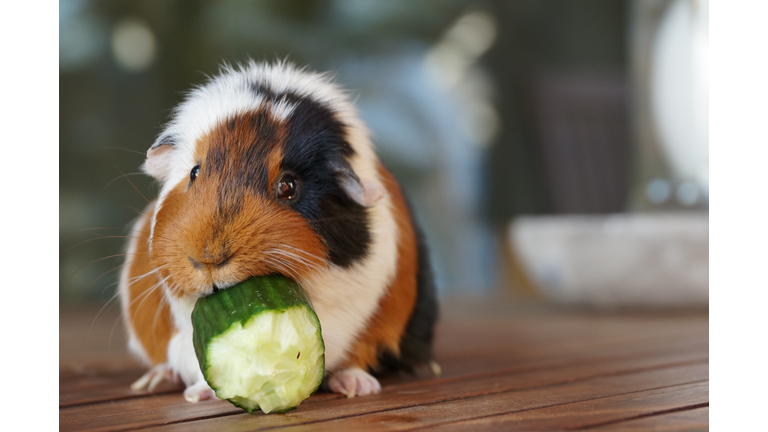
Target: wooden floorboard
[506, 367]
[601, 411]
[696, 419]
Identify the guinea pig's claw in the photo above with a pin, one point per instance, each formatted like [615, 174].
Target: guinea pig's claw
[354, 382]
[153, 377]
[198, 392]
[436, 369]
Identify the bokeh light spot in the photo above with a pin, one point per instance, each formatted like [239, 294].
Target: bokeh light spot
[133, 45]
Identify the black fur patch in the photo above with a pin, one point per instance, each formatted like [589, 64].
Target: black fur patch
[169, 140]
[416, 343]
[270, 95]
[316, 143]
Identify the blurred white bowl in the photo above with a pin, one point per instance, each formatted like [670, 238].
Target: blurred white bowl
[617, 260]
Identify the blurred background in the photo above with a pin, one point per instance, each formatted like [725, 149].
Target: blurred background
[552, 149]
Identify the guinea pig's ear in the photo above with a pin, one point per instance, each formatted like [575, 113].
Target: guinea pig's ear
[363, 191]
[159, 158]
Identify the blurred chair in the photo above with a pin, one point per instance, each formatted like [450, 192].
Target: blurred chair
[581, 122]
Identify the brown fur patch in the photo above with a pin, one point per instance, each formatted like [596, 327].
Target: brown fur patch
[275, 160]
[148, 312]
[227, 226]
[386, 327]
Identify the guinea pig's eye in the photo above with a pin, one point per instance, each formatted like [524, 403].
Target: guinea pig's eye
[193, 174]
[287, 187]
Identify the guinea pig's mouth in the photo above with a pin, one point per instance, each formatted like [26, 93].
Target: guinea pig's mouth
[215, 287]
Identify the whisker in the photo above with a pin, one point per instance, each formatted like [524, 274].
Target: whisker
[304, 252]
[110, 271]
[90, 240]
[101, 228]
[118, 178]
[112, 330]
[290, 254]
[312, 267]
[309, 265]
[350, 218]
[160, 305]
[128, 150]
[311, 258]
[285, 266]
[117, 293]
[135, 279]
[95, 261]
[134, 186]
[145, 294]
[104, 237]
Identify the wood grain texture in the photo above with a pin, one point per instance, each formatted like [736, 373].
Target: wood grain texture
[683, 420]
[506, 367]
[606, 411]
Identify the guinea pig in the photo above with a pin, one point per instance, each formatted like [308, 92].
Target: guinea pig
[263, 169]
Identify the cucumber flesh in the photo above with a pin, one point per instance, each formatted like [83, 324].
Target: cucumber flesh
[271, 362]
[259, 344]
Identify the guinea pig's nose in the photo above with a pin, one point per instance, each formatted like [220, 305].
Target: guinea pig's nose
[209, 263]
[195, 264]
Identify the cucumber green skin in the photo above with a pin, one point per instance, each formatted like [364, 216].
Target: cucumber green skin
[216, 313]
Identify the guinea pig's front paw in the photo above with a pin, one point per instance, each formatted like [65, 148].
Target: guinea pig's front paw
[155, 376]
[354, 382]
[199, 391]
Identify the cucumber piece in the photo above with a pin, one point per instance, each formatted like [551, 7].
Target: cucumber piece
[259, 344]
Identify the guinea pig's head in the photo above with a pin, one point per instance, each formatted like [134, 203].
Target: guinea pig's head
[264, 169]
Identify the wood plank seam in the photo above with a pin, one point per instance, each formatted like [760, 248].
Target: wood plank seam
[432, 426]
[619, 343]
[653, 414]
[238, 412]
[212, 416]
[166, 392]
[66, 405]
[694, 419]
[544, 366]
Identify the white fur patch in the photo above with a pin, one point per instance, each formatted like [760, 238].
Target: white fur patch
[181, 351]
